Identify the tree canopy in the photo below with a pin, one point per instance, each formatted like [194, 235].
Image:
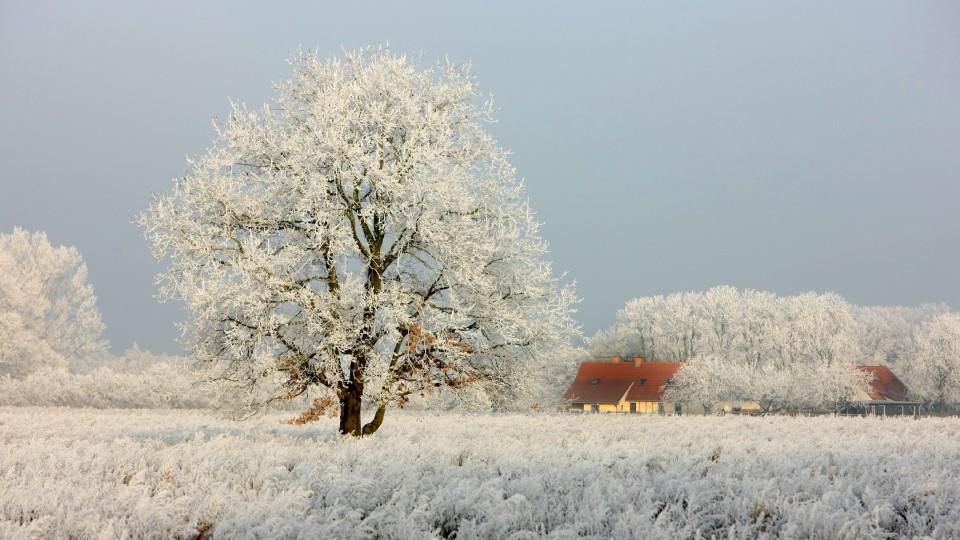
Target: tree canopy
[48, 311]
[363, 233]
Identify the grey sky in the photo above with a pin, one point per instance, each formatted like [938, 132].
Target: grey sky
[666, 146]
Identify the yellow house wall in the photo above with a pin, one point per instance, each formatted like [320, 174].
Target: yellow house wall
[648, 407]
[643, 407]
[601, 407]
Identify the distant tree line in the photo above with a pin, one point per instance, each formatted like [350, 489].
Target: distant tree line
[788, 351]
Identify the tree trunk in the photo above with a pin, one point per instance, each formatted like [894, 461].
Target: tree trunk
[350, 423]
[350, 414]
[372, 426]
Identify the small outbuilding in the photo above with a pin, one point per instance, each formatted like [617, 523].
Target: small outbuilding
[886, 395]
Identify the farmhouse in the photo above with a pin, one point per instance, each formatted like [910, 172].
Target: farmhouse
[622, 386]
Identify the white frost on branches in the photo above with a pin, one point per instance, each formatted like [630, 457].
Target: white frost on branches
[48, 313]
[916, 342]
[936, 374]
[362, 233]
[753, 325]
[745, 345]
[788, 351]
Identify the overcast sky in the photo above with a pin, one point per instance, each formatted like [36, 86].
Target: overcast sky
[668, 146]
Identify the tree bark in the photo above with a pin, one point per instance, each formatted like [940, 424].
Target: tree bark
[350, 421]
[373, 425]
[350, 413]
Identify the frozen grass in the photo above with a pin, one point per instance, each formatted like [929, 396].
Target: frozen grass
[164, 474]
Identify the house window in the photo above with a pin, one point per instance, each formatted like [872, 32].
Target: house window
[595, 381]
[643, 382]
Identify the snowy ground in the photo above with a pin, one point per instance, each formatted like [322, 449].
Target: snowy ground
[163, 474]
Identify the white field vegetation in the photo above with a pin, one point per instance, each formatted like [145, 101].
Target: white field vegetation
[68, 473]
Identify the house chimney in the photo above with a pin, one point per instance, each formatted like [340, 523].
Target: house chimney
[638, 361]
[616, 359]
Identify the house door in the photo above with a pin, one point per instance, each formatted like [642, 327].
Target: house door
[633, 407]
[660, 408]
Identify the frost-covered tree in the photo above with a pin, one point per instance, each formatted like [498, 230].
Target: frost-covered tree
[363, 233]
[888, 334]
[891, 336]
[805, 346]
[753, 325]
[706, 380]
[22, 351]
[48, 312]
[936, 370]
[745, 345]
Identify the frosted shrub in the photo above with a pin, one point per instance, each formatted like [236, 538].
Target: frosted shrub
[161, 385]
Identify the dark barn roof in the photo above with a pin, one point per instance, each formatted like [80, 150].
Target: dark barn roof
[885, 386]
[608, 381]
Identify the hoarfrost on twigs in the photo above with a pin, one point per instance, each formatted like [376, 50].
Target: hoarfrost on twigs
[363, 234]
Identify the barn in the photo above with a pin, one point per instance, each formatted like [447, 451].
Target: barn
[886, 395]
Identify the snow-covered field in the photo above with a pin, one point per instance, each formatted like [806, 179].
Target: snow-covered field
[182, 474]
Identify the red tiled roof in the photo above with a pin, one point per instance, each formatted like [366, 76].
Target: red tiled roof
[656, 375]
[643, 382]
[885, 386]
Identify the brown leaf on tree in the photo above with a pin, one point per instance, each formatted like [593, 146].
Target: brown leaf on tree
[322, 407]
